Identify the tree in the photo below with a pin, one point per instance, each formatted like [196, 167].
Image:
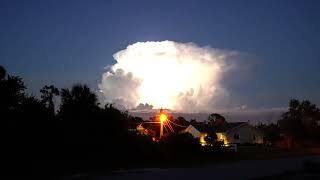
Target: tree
[81, 137]
[3, 73]
[33, 117]
[181, 121]
[211, 139]
[24, 129]
[180, 145]
[79, 100]
[11, 91]
[271, 132]
[47, 94]
[193, 121]
[116, 120]
[300, 120]
[11, 98]
[216, 119]
[78, 114]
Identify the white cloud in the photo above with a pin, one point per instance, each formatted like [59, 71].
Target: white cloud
[180, 76]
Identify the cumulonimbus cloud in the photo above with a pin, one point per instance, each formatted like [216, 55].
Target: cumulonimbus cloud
[179, 76]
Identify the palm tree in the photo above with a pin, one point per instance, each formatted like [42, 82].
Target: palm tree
[80, 99]
[11, 90]
[47, 94]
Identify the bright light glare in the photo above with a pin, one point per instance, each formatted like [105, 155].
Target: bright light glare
[162, 118]
[202, 139]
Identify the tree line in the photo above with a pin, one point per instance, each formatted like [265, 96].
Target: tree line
[82, 136]
[79, 136]
[299, 126]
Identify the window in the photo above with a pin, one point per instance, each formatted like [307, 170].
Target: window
[236, 136]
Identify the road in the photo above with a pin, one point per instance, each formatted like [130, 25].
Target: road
[245, 169]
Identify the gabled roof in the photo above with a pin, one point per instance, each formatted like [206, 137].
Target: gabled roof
[228, 126]
[203, 127]
[218, 128]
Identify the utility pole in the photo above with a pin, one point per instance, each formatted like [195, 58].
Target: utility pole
[162, 118]
[161, 129]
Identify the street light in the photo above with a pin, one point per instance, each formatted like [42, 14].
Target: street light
[162, 119]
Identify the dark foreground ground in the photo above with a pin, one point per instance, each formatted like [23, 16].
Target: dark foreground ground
[287, 168]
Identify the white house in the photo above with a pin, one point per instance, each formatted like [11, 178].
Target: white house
[240, 133]
[229, 133]
[198, 133]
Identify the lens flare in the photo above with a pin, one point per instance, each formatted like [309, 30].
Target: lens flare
[162, 118]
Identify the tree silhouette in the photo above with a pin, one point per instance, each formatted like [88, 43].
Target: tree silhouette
[193, 121]
[11, 92]
[180, 145]
[78, 100]
[182, 121]
[211, 139]
[271, 132]
[78, 113]
[216, 119]
[3, 73]
[47, 94]
[84, 137]
[300, 120]
[81, 137]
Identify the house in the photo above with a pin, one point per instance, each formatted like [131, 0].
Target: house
[229, 133]
[199, 131]
[147, 129]
[239, 133]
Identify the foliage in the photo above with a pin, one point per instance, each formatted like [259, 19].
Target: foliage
[182, 121]
[83, 136]
[271, 133]
[216, 119]
[3, 73]
[11, 93]
[211, 139]
[180, 145]
[300, 121]
[77, 101]
[47, 95]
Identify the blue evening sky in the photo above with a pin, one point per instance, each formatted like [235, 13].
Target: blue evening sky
[65, 42]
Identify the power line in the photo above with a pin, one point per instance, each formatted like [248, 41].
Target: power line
[176, 124]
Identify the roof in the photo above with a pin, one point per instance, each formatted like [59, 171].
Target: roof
[218, 128]
[203, 127]
[227, 126]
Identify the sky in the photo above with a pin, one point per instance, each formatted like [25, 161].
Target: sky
[68, 42]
